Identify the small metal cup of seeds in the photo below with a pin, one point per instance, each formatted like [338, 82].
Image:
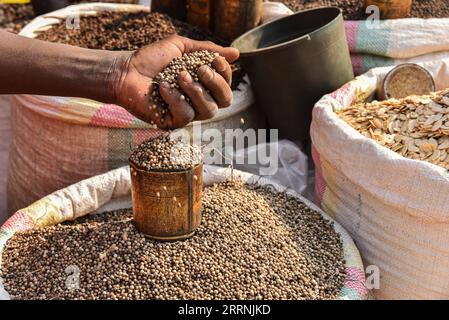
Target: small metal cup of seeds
[405, 80]
[166, 188]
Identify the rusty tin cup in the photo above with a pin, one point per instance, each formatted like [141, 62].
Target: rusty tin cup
[167, 204]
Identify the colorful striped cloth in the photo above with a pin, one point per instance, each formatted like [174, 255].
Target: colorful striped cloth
[391, 42]
[82, 111]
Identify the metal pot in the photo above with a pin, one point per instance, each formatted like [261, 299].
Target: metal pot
[292, 62]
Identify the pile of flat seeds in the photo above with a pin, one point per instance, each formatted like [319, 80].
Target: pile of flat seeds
[416, 127]
[253, 243]
[189, 62]
[166, 154]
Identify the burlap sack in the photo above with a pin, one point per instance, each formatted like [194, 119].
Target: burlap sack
[396, 209]
[57, 141]
[112, 191]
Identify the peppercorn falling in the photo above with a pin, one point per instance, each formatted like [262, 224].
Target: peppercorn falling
[189, 62]
[253, 244]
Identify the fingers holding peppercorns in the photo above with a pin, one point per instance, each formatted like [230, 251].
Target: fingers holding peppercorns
[216, 85]
[180, 111]
[201, 100]
[223, 68]
[203, 103]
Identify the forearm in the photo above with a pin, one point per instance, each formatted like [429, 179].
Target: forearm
[29, 66]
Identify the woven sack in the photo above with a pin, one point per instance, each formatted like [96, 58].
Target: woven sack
[111, 191]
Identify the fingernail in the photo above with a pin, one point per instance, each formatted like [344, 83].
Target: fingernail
[165, 85]
[186, 77]
[206, 73]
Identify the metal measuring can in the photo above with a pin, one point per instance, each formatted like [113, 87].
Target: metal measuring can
[232, 18]
[167, 204]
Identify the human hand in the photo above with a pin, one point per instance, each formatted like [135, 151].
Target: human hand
[132, 84]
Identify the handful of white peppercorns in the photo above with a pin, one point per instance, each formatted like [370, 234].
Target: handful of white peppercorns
[189, 62]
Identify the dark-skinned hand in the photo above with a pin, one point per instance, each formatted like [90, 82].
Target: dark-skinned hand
[133, 88]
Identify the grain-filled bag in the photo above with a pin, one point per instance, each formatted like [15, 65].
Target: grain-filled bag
[396, 209]
[57, 141]
[111, 191]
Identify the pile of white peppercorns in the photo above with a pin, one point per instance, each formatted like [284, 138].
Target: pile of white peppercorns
[253, 244]
[189, 62]
[166, 154]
